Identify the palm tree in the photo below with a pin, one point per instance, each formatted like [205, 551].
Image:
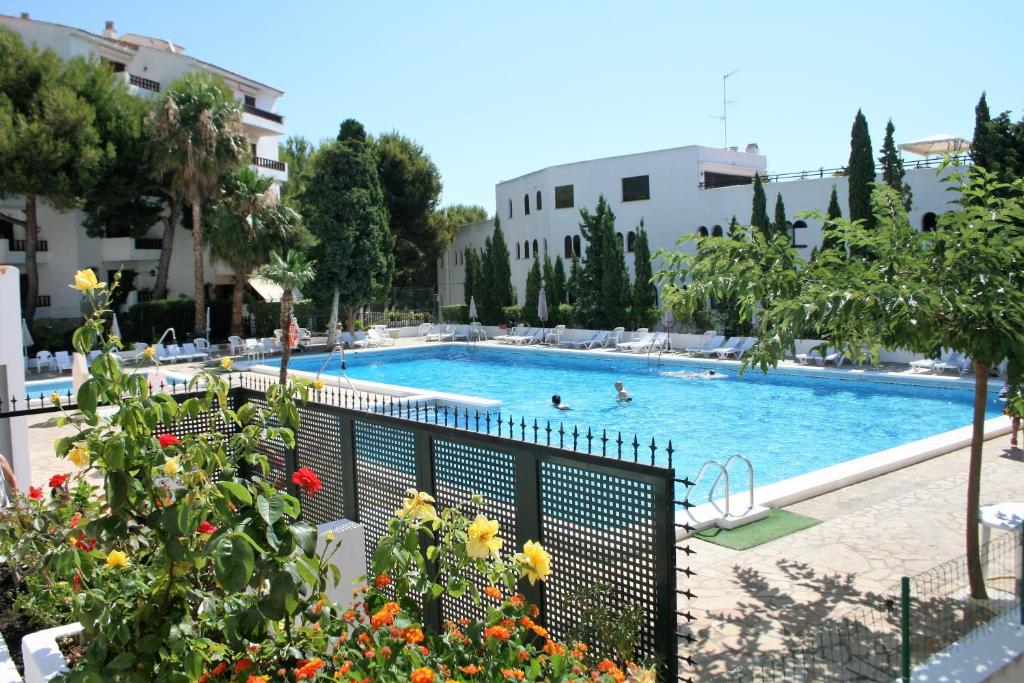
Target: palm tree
[290, 273]
[197, 131]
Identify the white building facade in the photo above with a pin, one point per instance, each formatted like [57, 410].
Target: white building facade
[148, 66]
[675, 192]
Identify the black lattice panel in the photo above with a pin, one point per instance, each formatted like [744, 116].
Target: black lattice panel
[319, 445]
[598, 528]
[460, 470]
[274, 450]
[385, 468]
[200, 424]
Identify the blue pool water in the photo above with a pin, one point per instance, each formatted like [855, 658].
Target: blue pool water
[786, 424]
[47, 386]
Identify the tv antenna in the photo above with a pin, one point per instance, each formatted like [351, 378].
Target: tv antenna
[724, 118]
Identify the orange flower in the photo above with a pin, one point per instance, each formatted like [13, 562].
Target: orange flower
[517, 600]
[381, 581]
[350, 615]
[553, 648]
[522, 655]
[385, 616]
[499, 632]
[413, 635]
[492, 592]
[510, 624]
[422, 675]
[257, 679]
[514, 674]
[241, 665]
[424, 651]
[370, 654]
[318, 607]
[470, 669]
[220, 668]
[385, 652]
[606, 665]
[364, 638]
[345, 668]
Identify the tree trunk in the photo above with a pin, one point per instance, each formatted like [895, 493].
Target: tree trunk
[350, 316]
[332, 324]
[31, 267]
[197, 251]
[286, 342]
[166, 248]
[974, 575]
[237, 298]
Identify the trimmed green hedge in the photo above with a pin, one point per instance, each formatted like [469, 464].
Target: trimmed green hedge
[458, 313]
[268, 314]
[145, 322]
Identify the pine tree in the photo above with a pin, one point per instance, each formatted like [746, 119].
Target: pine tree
[616, 292]
[861, 171]
[572, 287]
[472, 281]
[980, 144]
[645, 294]
[759, 214]
[558, 285]
[833, 212]
[552, 287]
[534, 279]
[591, 274]
[892, 166]
[501, 273]
[733, 224]
[484, 302]
[780, 227]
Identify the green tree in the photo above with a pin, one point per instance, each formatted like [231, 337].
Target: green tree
[534, 281]
[957, 288]
[49, 143]
[603, 289]
[861, 171]
[980, 145]
[558, 284]
[345, 211]
[445, 223]
[197, 130]
[496, 291]
[780, 227]
[412, 186]
[471, 287]
[831, 214]
[731, 230]
[298, 153]
[892, 166]
[575, 279]
[645, 295]
[759, 211]
[289, 273]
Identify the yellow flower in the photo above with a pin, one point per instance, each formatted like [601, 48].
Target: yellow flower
[483, 538]
[86, 281]
[535, 560]
[318, 384]
[55, 398]
[115, 558]
[171, 466]
[417, 506]
[226, 363]
[329, 535]
[79, 455]
[149, 353]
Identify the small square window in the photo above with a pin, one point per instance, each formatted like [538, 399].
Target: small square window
[249, 100]
[564, 198]
[636, 188]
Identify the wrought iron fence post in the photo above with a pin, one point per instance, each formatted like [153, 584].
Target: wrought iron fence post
[905, 627]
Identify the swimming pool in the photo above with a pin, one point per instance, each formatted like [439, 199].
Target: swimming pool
[786, 424]
[41, 389]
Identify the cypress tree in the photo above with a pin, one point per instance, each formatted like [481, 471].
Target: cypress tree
[472, 263]
[572, 288]
[781, 226]
[501, 272]
[980, 144]
[861, 171]
[733, 224]
[892, 166]
[831, 213]
[558, 285]
[645, 294]
[549, 277]
[759, 214]
[591, 274]
[485, 285]
[533, 283]
[615, 292]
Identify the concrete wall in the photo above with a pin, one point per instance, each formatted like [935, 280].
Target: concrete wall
[13, 431]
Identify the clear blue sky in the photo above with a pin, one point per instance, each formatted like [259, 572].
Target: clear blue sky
[493, 90]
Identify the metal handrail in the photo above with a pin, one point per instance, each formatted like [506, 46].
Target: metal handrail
[700, 474]
[164, 336]
[341, 372]
[750, 481]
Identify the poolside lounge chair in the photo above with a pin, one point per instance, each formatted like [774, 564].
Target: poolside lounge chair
[191, 350]
[440, 333]
[176, 354]
[832, 355]
[460, 333]
[379, 338]
[554, 337]
[236, 346]
[732, 342]
[736, 352]
[512, 332]
[953, 361]
[202, 347]
[253, 349]
[923, 365]
[529, 339]
[422, 331]
[63, 361]
[641, 344]
[477, 332]
[595, 338]
[44, 359]
[710, 343]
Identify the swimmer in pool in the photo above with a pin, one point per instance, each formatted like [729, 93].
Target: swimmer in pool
[621, 394]
[707, 374]
[556, 402]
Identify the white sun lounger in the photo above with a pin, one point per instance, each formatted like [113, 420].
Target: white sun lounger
[714, 342]
[528, 339]
[641, 344]
[832, 355]
[63, 361]
[953, 361]
[736, 352]
[590, 341]
[732, 343]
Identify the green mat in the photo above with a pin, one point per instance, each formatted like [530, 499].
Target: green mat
[777, 524]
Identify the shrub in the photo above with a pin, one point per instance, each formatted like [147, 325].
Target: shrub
[457, 313]
[146, 321]
[268, 314]
[512, 314]
[565, 314]
[52, 335]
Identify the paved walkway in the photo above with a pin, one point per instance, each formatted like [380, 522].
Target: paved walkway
[763, 600]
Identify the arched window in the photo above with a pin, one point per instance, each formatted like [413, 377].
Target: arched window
[526, 249]
[536, 251]
[716, 231]
[526, 204]
[702, 231]
[510, 208]
[519, 254]
[798, 225]
[631, 242]
[622, 243]
[568, 246]
[539, 206]
[545, 246]
[928, 222]
[576, 251]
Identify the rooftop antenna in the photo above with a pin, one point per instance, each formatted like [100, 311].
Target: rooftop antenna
[725, 112]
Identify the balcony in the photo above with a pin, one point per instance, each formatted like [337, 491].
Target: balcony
[118, 250]
[12, 251]
[262, 121]
[43, 301]
[271, 168]
[140, 83]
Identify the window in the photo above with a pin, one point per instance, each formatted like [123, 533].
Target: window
[545, 246]
[510, 208]
[526, 204]
[519, 251]
[7, 230]
[116, 67]
[799, 225]
[702, 231]
[716, 231]
[564, 198]
[526, 249]
[568, 247]
[536, 251]
[636, 188]
[622, 243]
[249, 100]
[928, 222]
[538, 201]
[576, 251]
[631, 242]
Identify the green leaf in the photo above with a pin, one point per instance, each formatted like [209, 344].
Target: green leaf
[83, 339]
[233, 562]
[122, 661]
[88, 394]
[116, 486]
[236, 490]
[270, 509]
[305, 537]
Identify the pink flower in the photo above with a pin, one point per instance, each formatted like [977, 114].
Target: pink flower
[306, 479]
[35, 493]
[168, 440]
[58, 480]
[205, 527]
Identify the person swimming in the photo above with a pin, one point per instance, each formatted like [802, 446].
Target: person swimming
[556, 402]
[621, 394]
[686, 374]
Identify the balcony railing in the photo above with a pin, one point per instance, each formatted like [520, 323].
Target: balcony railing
[144, 83]
[42, 300]
[144, 295]
[19, 245]
[263, 113]
[149, 243]
[273, 164]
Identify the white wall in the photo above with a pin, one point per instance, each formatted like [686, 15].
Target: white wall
[13, 431]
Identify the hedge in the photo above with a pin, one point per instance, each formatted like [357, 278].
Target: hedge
[457, 313]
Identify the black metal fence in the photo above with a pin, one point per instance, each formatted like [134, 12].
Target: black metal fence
[601, 504]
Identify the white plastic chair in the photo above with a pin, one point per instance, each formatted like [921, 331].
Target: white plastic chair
[44, 359]
[235, 345]
[63, 361]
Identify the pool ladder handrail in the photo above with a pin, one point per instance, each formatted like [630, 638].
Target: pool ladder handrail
[341, 371]
[723, 471]
[661, 349]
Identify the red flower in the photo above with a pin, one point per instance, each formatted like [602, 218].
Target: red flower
[205, 527]
[168, 440]
[86, 543]
[57, 480]
[35, 493]
[306, 479]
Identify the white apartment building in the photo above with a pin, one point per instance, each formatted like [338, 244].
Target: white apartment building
[148, 65]
[674, 191]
